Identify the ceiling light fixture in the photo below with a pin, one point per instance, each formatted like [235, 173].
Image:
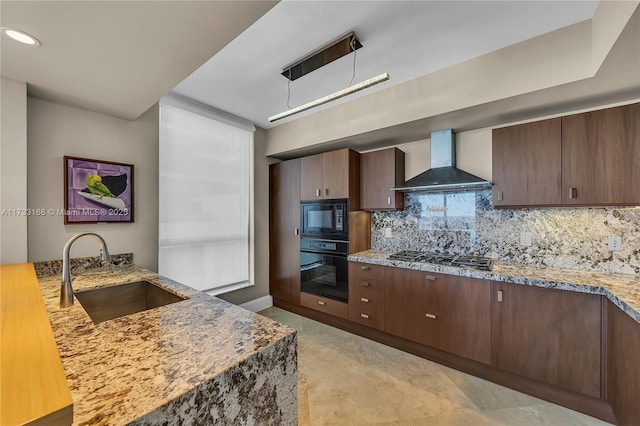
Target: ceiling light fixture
[332, 97]
[336, 49]
[20, 36]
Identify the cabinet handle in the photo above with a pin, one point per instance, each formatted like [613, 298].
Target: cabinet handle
[430, 277]
[499, 295]
[430, 316]
[365, 268]
[326, 191]
[500, 195]
[364, 284]
[388, 201]
[365, 316]
[364, 299]
[296, 231]
[318, 193]
[573, 193]
[321, 303]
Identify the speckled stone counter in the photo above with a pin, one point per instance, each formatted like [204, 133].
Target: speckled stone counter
[198, 361]
[622, 289]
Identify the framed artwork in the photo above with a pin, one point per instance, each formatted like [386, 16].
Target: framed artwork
[97, 191]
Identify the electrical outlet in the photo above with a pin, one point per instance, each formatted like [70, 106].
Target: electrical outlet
[387, 232]
[525, 239]
[615, 243]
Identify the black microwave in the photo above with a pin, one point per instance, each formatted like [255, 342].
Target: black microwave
[325, 219]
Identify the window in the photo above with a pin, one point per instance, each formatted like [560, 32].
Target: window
[205, 171]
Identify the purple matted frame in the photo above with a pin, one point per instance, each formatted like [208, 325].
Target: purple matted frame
[111, 201]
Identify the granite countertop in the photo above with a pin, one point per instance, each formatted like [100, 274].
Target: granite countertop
[623, 290]
[122, 369]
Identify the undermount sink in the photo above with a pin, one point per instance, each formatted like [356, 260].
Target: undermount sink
[106, 303]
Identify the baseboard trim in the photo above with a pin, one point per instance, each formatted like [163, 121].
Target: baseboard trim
[259, 304]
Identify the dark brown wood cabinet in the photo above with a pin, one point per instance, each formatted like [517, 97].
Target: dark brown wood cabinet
[526, 164]
[600, 157]
[284, 231]
[583, 159]
[548, 335]
[623, 369]
[450, 313]
[379, 172]
[334, 174]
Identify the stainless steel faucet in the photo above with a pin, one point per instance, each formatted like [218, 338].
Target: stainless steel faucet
[66, 289]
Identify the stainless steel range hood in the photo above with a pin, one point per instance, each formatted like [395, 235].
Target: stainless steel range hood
[443, 174]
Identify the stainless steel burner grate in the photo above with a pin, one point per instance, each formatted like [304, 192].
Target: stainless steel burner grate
[475, 262]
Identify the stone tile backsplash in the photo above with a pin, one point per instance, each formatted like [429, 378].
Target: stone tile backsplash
[466, 223]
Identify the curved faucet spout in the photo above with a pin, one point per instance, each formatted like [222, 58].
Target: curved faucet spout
[66, 289]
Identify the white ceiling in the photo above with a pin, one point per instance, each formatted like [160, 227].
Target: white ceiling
[120, 57]
[407, 39]
[117, 57]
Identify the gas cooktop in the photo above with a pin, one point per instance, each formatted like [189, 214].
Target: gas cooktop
[475, 262]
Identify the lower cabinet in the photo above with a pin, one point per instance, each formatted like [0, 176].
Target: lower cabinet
[446, 312]
[623, 349]
[575, 349]
[549, 335]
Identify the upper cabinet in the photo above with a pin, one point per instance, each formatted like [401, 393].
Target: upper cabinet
[526, 164]
[601, 157]
[379, 172]
[334, 174]
[579, 160]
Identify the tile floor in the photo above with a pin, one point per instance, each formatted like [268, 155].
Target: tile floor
[345, 379]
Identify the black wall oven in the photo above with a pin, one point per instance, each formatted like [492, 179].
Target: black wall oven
[326, 219]
[324, 270]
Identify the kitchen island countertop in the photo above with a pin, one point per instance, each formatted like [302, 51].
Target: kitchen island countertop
[621, 289]
[200, 359]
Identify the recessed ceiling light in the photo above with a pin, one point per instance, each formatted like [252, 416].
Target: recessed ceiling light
[20, 36]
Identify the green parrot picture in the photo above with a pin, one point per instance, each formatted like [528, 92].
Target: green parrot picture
[95, 186]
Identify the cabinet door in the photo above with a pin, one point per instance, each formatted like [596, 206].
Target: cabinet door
[311, 186]
[335, 168]
[406, 297]
[445, 312]
[379, 172]
[284, 230]
[600, 157]
[553, 336]
[527, 164]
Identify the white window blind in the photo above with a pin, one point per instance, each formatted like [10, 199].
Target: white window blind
[204, 200]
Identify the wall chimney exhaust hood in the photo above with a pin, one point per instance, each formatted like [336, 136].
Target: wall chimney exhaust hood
[443, 174]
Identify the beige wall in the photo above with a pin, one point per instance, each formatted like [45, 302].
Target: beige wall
[13, 170]
[55, 130]
[260, 236]
[473, 154]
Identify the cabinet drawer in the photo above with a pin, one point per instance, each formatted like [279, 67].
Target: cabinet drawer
[367, 275]
[369, 302]
[367, 318]
[323, 304]
[371, 288]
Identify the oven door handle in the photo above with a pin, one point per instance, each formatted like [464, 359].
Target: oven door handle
[321, 251]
